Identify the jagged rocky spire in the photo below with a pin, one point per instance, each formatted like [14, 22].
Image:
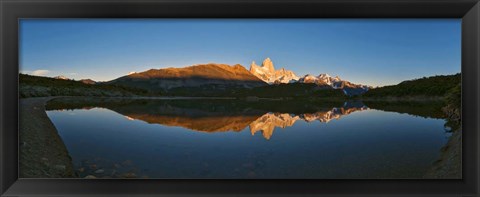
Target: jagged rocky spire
[267, 73]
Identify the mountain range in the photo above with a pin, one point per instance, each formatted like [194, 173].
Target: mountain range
[267, 73]
[223, 77]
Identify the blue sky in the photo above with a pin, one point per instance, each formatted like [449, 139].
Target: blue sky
[368, 51]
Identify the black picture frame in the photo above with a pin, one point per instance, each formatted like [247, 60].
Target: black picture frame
[13, 10]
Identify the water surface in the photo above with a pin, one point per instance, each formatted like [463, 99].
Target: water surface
[145, 138]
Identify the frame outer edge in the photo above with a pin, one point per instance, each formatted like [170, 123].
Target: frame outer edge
[3, 86]
[476, 12]
[478, 92]
[7, 118]
[2, 130]
[477, 37]
[471, 81]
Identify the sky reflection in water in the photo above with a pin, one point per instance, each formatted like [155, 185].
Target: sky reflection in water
[173, 140]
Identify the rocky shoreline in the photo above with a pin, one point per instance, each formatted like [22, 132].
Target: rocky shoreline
[42, 151]
[449, 165]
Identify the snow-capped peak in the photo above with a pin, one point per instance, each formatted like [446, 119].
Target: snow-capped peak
[324, 76]
[61, 77]
[267, 73]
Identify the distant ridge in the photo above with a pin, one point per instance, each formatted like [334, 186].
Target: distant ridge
[218, 75]
[348, 88]
[88, 81]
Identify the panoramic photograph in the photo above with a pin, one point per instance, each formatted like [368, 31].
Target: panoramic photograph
[240, 98]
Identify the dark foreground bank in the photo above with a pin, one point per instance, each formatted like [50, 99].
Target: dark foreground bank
[42, 151]
[449, 165]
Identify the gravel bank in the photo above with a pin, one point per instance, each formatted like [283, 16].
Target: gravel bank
[449, 165]
[42, 151]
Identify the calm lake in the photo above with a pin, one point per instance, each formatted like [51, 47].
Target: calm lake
[188, 138]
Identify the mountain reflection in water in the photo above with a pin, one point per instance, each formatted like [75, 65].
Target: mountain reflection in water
[212, 138]
[269, 121]
[214, 116]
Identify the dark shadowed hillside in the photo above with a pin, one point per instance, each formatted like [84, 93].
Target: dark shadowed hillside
[436, 86]
[290, 90]
[293, 90]
[34, 86]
